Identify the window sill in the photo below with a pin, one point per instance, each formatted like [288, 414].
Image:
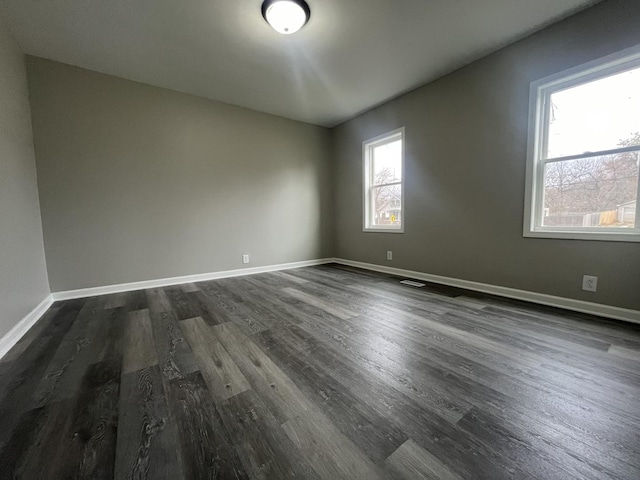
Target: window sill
[383, 230]
[617, 236]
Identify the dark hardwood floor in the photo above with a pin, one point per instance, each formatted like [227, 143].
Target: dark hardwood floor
[323, 372]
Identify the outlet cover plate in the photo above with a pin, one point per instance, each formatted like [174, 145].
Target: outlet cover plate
[589, 283]
[389, 255]
[245, 258]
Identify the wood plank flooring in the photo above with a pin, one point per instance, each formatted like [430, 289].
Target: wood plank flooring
[324, 372]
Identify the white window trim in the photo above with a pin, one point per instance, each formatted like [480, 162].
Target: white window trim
[367, 146]
[540, 91]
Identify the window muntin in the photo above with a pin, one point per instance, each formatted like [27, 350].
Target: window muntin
[584, 153]
[383, 182]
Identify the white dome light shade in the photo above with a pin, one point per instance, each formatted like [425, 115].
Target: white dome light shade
[286, 16]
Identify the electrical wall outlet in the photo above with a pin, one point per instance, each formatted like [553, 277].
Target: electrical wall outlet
[245, 258]
[589, 283]
[389, 255]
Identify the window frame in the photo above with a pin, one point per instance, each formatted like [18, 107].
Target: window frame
[367, 184]
[539, 95]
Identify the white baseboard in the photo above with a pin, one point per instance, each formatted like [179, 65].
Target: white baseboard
[22, 327]
[19, 329]
[608, 311]
[163, 282]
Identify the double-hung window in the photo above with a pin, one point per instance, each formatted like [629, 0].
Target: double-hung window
[383, 159]
[584, 152]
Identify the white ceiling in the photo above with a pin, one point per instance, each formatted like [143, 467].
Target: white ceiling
[352, 55]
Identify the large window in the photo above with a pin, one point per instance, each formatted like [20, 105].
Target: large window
[383, 183]
[584, 152]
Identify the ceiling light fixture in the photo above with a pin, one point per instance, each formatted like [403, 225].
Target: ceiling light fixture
[286, 16]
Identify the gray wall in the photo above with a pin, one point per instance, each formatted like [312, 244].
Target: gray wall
[23, 275]
[466, 137]
[140, 183]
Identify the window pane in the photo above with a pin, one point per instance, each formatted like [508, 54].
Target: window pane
[592, 192]
[387, 163]
[386, 205]
[599, 115]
